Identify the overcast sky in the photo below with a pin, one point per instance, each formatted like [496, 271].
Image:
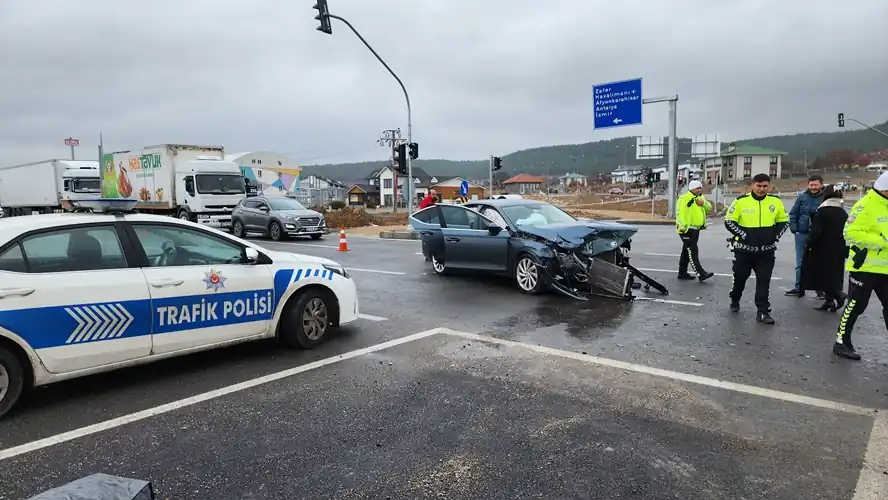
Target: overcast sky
[484, 76]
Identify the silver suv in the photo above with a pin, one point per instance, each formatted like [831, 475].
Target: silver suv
[277, 217]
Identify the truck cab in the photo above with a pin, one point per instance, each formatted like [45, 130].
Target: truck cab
[207, 190]
[81, 183]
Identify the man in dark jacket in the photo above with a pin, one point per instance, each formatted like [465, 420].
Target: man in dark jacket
[823, 268]
[800, 225]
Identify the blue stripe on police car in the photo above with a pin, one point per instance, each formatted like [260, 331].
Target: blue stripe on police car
[283, 278]
[175, 314]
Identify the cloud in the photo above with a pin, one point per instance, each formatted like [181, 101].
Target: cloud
[484, 77]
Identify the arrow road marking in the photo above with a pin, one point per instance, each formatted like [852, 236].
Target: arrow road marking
[98, 322]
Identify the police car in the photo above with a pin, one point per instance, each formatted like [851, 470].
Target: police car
[82, 293]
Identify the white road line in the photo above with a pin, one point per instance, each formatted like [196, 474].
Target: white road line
[418, 253]
[370, 317]
[674, 255]
[200, 398]
[313, 245]
[377, 271]
[676, 302]
[649, 270]
[872, 483]
[673, 375]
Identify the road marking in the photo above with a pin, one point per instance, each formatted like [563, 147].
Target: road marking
[676, 302]
[872, 483]
[308, 245]
[200, 398]
[649, 270]
[673, 375]
[377, 271]
[370, 317]
[674, 255]
[418, 253]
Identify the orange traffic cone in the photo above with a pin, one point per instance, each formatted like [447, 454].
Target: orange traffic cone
[343, 243]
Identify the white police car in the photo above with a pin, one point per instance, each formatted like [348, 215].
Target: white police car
[93, 292]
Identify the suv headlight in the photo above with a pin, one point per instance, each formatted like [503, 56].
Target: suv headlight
[337, 269]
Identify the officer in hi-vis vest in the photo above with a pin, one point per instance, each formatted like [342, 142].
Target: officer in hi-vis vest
[756, 220]
[865, 234]
[690, 219]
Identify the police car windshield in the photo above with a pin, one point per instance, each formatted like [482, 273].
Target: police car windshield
[282, 203]
[537, 215]
[219, 184]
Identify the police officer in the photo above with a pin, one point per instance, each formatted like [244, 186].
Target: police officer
[756, 220]
[865, 234]
[690, 219]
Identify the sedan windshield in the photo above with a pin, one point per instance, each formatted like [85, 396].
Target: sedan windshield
[219, 184]
[536, 215]
[285, 204]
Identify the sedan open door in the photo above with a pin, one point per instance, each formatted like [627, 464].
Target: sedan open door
[427, 222]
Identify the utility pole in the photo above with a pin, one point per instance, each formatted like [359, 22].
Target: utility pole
[490, 178]
[392, 138]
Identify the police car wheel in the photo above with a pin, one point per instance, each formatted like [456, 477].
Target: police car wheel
[12, 380]
[307, 321]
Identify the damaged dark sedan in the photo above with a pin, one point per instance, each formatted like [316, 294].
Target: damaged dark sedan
[537, 244]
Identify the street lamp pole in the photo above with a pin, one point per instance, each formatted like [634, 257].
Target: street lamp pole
[409, 182]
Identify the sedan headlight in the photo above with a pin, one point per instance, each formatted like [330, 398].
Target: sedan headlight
[337, 269]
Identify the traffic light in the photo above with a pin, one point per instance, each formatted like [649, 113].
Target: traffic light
[414, 150]
[650, 177]
[323, 17]
[657, 177]
[401, 159]
[497, 163]
[841, 120]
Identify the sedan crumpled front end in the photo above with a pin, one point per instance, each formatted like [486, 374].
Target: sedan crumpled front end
[587, 258]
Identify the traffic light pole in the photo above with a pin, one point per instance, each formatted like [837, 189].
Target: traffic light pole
[860, 123]
[490, 177]
[408, 183]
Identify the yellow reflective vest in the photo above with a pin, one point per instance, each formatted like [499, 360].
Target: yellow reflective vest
[690, 215]
[865, 234]
[756, 223]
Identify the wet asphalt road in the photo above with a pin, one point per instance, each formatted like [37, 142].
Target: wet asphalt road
[447, 417]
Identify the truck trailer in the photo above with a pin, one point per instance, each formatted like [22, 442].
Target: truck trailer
[47, 186]
[189, 182]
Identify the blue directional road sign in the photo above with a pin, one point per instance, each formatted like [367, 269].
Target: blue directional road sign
[617, 104]
[464, 188]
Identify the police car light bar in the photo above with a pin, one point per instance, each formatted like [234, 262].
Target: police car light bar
[106, 205]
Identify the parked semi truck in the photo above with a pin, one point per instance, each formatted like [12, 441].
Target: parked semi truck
[47, 186]
[189, 182]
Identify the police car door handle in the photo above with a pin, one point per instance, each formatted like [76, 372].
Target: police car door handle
[10, 292]
[167, 282]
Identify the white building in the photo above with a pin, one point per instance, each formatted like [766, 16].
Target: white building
[741, 163]
[384, 179]
[273, 173]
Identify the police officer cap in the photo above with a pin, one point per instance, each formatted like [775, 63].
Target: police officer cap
[881, 183]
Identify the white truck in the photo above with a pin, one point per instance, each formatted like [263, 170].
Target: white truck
[47, 186]
[189, 182]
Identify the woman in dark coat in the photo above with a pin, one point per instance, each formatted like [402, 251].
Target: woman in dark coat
[823, 265]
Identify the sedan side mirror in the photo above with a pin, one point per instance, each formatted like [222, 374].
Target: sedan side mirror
[493, 229]
[251, 255]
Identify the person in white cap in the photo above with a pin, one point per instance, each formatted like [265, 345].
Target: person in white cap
[866, 234]
[690, 219]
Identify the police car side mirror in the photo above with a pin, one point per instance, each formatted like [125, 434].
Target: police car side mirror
[251, 255]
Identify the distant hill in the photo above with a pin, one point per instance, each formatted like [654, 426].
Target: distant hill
[603, 156]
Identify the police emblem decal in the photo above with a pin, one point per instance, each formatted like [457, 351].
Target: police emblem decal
[772, 208]
[214, 280]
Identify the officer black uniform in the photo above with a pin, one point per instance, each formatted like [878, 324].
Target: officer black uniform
[756, 220]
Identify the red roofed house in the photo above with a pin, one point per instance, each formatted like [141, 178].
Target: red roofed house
[523, 184]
